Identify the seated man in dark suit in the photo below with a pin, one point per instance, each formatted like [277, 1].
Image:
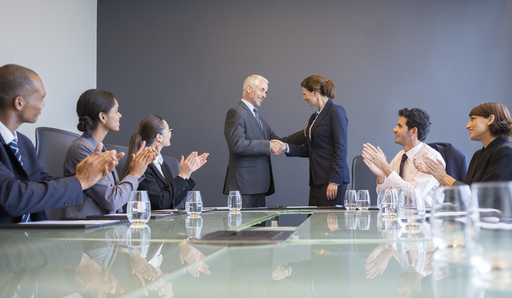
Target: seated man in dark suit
[26, 189]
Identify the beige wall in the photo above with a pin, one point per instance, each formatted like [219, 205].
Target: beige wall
[57, 39]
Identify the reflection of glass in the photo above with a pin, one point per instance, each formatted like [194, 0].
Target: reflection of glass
[411, 253]
[193, 225]
[411, 209]
[138, 236]
[194, 203]
[350, 220]
[234, 201]
[451, 274]
[363, 220]
[489, 231]
[388, 202]
[139, 207]
[449, 215]
[350, 199]
[234, 219]
[363, 199]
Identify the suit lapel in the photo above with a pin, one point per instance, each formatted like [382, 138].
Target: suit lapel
[321, 117]
[157, 173]
[251, 115]
[13, 158]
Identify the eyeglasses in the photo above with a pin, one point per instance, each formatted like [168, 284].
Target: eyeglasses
[169, 130]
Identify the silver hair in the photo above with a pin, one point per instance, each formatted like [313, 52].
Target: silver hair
[253, 80]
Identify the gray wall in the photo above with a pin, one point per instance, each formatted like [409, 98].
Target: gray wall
[186, 61]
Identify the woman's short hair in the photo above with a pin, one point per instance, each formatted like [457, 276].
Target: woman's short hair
[502, 125]
[319, 84]
[89, 106]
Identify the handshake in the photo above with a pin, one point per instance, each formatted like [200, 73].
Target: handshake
[277, 147]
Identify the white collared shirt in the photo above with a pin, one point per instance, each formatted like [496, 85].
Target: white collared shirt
[159, 160]
[427, 184]
[250, 106]
[7, 134]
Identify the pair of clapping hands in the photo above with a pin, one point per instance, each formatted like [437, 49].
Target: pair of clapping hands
[277, 147]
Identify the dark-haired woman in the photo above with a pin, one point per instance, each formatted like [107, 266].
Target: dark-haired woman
[98, 113]
[325, 143]
[491, 124]
[165, 191]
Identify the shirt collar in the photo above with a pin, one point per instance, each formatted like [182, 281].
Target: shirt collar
[414, 150]
[159, 160]
[249, 105]
[7, 134]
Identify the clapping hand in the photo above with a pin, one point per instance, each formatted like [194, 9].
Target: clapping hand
[277, 147]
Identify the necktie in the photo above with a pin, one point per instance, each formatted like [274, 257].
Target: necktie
[257, 115]
[14, 147]
[404, 158]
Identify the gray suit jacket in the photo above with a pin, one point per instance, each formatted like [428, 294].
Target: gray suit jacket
[104, 197]
[249, 168]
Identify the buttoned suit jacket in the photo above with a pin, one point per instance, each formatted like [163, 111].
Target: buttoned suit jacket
[249, 167]
[327, 149]
[30, 189]
[165, 192]
[107, 195]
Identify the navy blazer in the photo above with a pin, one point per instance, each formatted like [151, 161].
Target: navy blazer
[164, 192]
[456, 160]
[31, 189]
[327, 149]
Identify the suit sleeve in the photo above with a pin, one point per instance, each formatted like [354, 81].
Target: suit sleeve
[339, 125]
[235, 134]
[170, 195]
[499, 168]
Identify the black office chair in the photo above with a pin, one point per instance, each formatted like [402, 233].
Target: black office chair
[51, 147]
[363, 178]
[122, 161]
[456, 161]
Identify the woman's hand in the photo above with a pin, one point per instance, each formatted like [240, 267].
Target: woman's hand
[141, 160]
[435, 168]
[191, 164]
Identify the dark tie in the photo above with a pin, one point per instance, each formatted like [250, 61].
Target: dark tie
[404, 158]
[257, 115]
[14, 146]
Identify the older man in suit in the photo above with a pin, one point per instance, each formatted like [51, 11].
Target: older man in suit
[248, 137]
[26, 189]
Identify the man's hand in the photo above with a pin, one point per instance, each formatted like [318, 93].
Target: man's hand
[332, 191]
[277, 147]
[376, 157]
[97, 166]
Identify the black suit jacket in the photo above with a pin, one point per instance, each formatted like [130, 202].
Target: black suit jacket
[456, 160]
[31, 189]
[493, 163]
[164, 192]
[327, 149]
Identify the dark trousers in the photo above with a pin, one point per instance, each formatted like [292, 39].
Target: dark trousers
[318, 195]
[254, 200]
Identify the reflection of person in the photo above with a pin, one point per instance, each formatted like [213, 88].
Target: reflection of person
[491, 124]
[410, 132]
[98, 113]
[325, 143]
[27, 188]
[165, 191]
[248, 137]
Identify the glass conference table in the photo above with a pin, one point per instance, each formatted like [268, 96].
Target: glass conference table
[330, 253]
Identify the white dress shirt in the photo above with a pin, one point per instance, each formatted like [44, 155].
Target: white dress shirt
[7, 134]
[159, 160]
[427, 184]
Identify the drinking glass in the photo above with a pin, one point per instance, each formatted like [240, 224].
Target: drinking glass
[489, 232]
[448, 215]
[363, 199]
[194, 203]
[139, 207]
[363, 220]
[350, 200]
[380, 195]
[388, 203]
[193, 226]
[234, 201]
[138, 236]
[411, 209]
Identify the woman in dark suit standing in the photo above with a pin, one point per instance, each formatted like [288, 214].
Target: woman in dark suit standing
[491, 124]
[324, 142]
[165, 191]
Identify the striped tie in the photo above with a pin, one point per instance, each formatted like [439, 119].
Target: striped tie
[14, 146]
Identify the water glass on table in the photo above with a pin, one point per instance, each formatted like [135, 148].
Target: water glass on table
[234, 201]
[138, 208]
[350, 199]
[388, 203]
[194, 203]
[363, 199]
[411, 209]
[448, 215]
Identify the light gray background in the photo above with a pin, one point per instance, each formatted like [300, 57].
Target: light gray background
[186, 61]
